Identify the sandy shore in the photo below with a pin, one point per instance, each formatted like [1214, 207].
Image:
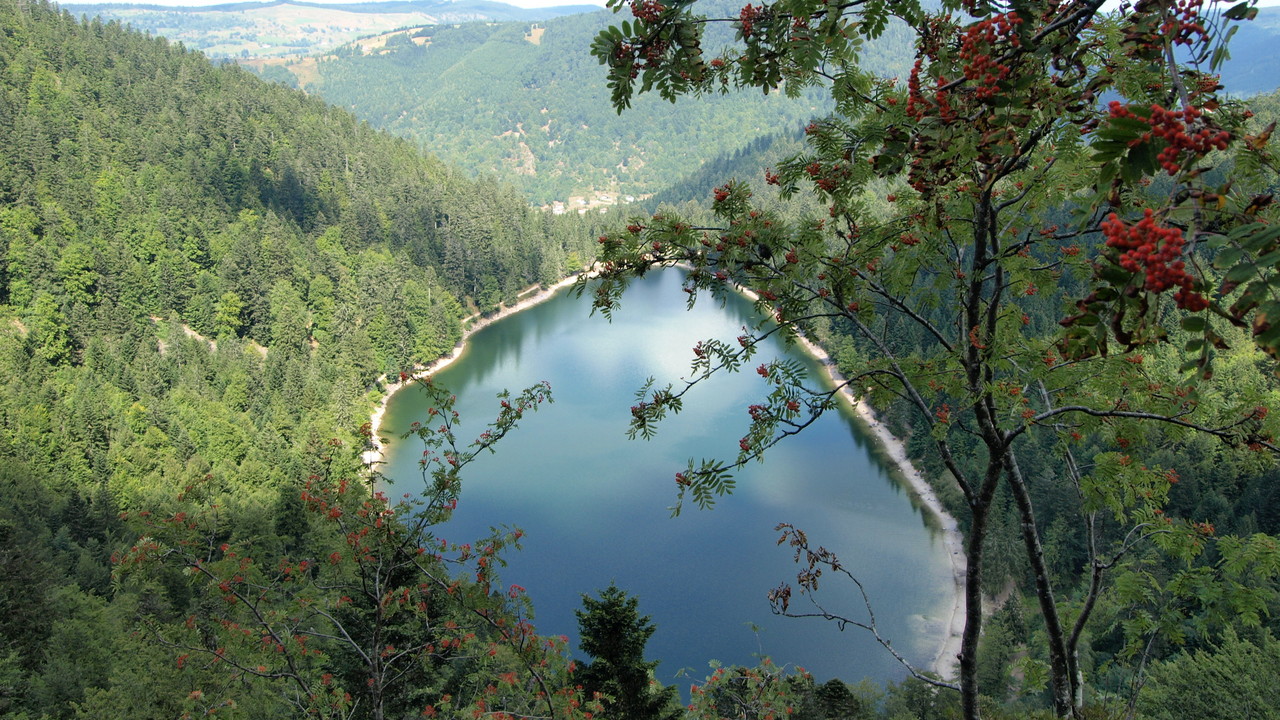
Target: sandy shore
[373, 456]
[945, 662]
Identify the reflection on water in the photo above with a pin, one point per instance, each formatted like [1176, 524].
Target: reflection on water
[594, 505]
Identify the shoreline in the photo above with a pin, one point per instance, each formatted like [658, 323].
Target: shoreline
[373, 456]
[946, 661]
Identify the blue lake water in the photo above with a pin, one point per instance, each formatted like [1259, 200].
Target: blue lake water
[594, 505]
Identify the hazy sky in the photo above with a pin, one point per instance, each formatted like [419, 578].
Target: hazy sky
[198, 3]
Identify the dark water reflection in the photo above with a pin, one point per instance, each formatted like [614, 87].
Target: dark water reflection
[594, 505]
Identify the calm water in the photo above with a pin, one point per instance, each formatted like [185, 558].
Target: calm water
[594, 505]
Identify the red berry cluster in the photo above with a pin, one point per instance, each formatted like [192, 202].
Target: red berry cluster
[1172, 127]
[914, 96]
[654, 51]
[748, 18]
[916, 102]
[1156, 251]
[827, 179]
[944, 104]
[1184, 25]
[975, 46]
[647, 10]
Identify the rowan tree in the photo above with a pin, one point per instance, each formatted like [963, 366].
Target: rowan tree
[375, 615]
[1042, 158]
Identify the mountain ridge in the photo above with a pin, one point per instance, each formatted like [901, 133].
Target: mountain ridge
[389, 6]
[243, 30]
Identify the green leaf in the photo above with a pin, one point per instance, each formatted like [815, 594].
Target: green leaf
[1142, 161]
[1239, 11]
[1125, 127]
[1269, 260]
[1257, 236]
[1270, 310]
[1241, 272]
[1227, 257]
[1107, 294]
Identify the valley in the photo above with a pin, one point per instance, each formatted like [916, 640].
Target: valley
[1033, 244]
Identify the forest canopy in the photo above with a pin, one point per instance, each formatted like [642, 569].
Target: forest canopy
[202, 278]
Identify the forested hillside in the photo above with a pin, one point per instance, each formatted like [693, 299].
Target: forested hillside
[528, 103]
[279, 28]
[201, 277]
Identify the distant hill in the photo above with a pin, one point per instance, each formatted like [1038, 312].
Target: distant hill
[527, 101]
[289, 27]
[1253, 66]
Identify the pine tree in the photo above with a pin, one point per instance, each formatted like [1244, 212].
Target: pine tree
[614, 635]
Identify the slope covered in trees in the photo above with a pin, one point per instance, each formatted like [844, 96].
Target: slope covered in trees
[201, 278]
[529, 104]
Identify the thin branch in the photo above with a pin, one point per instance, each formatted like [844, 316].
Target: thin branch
[1222, 433]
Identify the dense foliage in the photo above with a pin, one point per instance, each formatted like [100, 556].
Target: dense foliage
[202, 276]
[614, 634]
[958, 214]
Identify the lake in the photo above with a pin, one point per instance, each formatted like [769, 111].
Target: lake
[595, 506]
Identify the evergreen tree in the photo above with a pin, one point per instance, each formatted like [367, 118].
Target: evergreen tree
[614, 635]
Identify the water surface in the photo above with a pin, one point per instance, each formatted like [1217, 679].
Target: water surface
[594, 505]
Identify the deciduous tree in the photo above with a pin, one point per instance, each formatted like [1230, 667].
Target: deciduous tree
[1039, 151]
[372, 616]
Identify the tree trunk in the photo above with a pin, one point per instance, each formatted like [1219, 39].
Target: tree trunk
[980, 507]
[1061, 675]
[973, 615]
